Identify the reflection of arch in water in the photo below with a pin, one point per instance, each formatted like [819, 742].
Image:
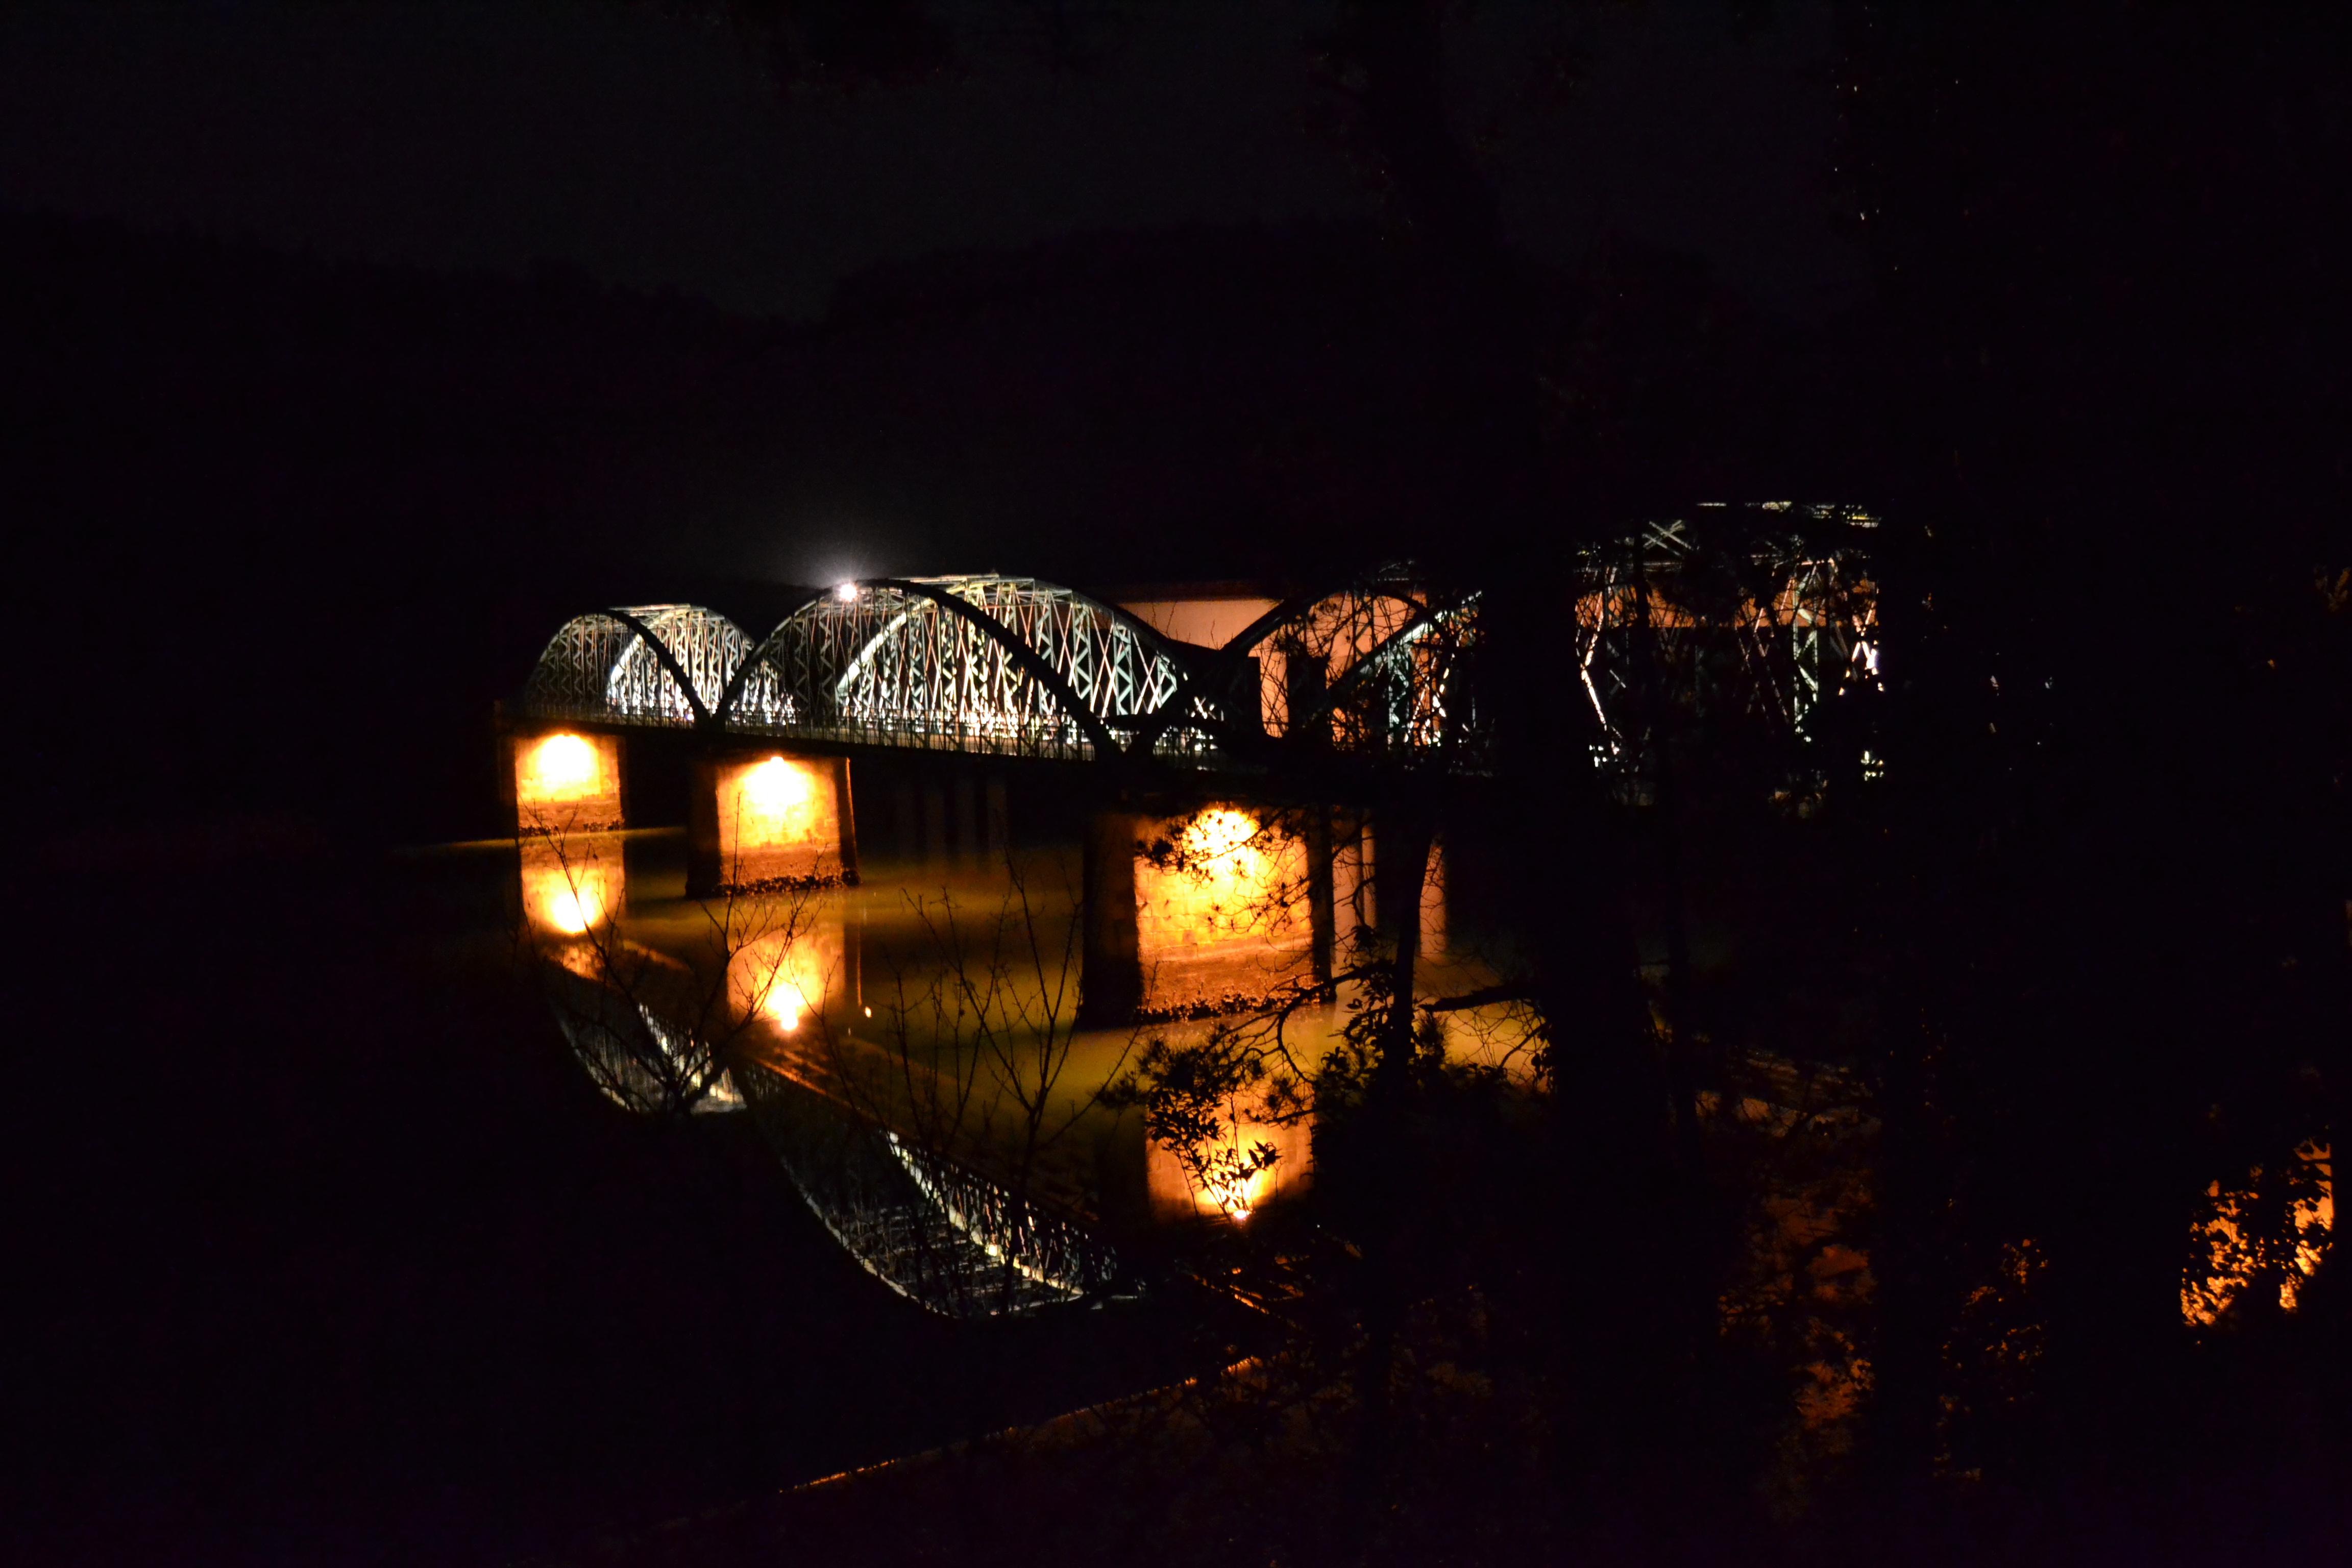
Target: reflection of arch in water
[940, 1234]
[642, 1060]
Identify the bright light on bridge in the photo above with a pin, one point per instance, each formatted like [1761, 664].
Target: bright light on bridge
[1219, 832]
[845, 591]
[561, 767]
[779, 817]
[776, 788]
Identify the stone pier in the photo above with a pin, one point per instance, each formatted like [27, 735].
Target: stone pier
[770, 820]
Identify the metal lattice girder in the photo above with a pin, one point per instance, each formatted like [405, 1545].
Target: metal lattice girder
[1377, 666]
[1415, 693]
[650, 664]
[1770, 629]
[984, 664]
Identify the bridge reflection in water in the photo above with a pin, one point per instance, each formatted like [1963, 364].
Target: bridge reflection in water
[1217, 757]
[918, 1138]
[889, 1040]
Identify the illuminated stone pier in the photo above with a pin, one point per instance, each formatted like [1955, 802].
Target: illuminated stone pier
[566, 782]
[1194, 911]
[770, 820]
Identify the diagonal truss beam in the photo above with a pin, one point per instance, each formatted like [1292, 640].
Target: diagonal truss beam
[758, 655]
[1027, 660]
[668, 662]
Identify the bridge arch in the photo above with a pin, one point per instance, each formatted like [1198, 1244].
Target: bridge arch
[1009, 665]
[1771, 622]
[999, 664]
[1413, 692]
[1320, 654]
[665, 664]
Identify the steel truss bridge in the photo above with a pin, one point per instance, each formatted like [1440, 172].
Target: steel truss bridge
[1380, 666]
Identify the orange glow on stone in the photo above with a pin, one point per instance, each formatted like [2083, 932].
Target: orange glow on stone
[567, 782]
[778, 818]
[1224, 914]
[776, 790]
[561, 767]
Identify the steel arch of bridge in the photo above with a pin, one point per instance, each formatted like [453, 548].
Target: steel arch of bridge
[662, 665]
[1769, 632]
[1004, 665]
[1375, 665]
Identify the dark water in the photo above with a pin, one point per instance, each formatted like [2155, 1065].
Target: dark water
[329, 1251]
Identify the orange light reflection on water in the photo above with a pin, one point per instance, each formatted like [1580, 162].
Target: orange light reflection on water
[1227, 1177]
[786, 976]
[571, 885]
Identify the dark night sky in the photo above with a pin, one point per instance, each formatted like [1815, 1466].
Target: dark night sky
[284, 331]
[652, 152]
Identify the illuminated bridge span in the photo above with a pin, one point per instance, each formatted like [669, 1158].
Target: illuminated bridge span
[1380, 666]
[1010, 666]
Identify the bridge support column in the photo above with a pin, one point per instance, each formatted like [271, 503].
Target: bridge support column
[1384, 912]
[1218, 908]
[999, 844]
[1433, 943]
[1352, 908]
[563, 781]
[1110, 986]
[1321, 901]
[769, 820]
